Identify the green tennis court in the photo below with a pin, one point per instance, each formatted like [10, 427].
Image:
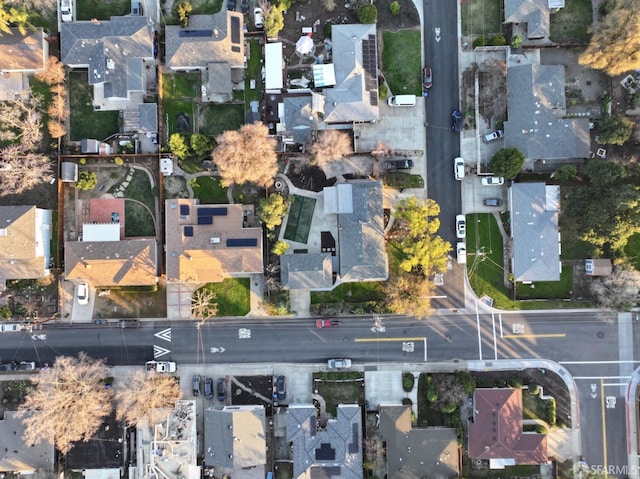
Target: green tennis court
[300, 217]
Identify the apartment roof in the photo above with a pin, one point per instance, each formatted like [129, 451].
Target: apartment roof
[23, 254]
[102, 451]
[23, 52]
[15, 455]
[235, 440]
[215, 38]
[206, 243]
[496, 431]
[311, 271]
[414, 453]
[534, 229]
[130, 262]
[334, 451]
[355, 57]
[536, 104]
[112, 51]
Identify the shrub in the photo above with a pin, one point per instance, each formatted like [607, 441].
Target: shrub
[367, 13]
[280, 248]
[449, 408]
[5, 312]
[516, 41]
[87, 180]
[118, 161]
[515, 383]
[394, 7]
[407, 382]
[82, 161]
[383, 91]
[534, 389]
[498, 41]
[329, 5]
[407, 402]
[551, 412]
[432, 394]
[480, 42]
[467, 381]
[184, 11]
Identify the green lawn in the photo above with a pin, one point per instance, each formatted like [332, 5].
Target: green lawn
[253, 72]
[209, 190]
[85, 122]
[180, 85]
[481, 17]
[339, 388]
[401, 62]
[215, 119]
[101, 9]
[572, 23]
[179, 91]
[200, 7]
[232, 296]
[548, 289]
[138, 221]
[350, 293]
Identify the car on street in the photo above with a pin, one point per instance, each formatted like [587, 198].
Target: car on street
[492, 181]
[244, 6]
[456, 120]
[161, 366]
[10, 328]
[461, 226]
[208, 388]
[27, 366]
[492, 202]
[231, 5]
[339, 363]
[495, 135]
[391, 165]
[458, 168]
[220, 389]
[327, 323]
[82, 293]
[461, 252]
[281, 388]
[12, 366]
[427, 78]
[195, 381]
[257, 18]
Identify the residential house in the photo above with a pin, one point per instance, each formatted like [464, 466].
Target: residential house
[25, 243]
[359, 254]
[536, 106]
[533, 13]
[333, 449]
[598, 267]
[18, 457]
[21, 55]
[354, 98]
[169, 449]
[535, 208]
[235, 441]
[413, 453]
[104, 455]
[115, 53]
[300, 118]
[207, 243]
[213, 45]
[496, 433]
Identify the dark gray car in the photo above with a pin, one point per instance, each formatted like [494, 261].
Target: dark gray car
[196, 385]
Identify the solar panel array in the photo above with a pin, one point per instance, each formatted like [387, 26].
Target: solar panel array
[325, 452]
[370, 64]
[240, 242]
[196, 33]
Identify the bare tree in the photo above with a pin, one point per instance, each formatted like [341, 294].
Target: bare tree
[332, 145]
[68, 402]
[619, 290]
[203, 304]
[246, 156]
[146, 397]
[54, 72]
[31, 5]
[20, 172]
[56, 129]
[21, 120]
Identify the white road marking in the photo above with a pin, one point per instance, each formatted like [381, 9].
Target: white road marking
[164, 334]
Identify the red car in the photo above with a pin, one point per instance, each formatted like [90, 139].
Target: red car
[327, 323]
[427, 79]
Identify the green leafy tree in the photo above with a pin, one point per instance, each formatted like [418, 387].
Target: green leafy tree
[184, 12]
[394, 7]
[615, 44]
[87, 180]
[271, 210]
[280, 248]
[367, 13]
[178, 146]
[615, 130]
[273, 21]
[201, 145]
[566, 173]
[507, 163]
[5, 312]
[516, 41]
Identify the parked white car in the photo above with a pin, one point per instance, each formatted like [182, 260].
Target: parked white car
[339, 363]
[257, 18]
[492, 181]
[461, 227]
[66, 10]
[461, 250]
[458, 168]
[82, 293]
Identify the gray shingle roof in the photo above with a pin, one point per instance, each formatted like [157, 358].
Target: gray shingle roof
[355, 95]
[222, 44]
[332, 452]
[299, 118]
[148, 117]
[535, 13]
[111, 50]
[534, 226]
[361, 235]
[306, 271]
[536, 105]
[235, 439]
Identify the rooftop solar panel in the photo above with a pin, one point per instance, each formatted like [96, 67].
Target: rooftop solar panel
[188, 230]
[184, 210]
[235, 30]
[205, 220]
[239, 242]
[325, 452]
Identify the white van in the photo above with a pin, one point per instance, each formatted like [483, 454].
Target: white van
[402, 100]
